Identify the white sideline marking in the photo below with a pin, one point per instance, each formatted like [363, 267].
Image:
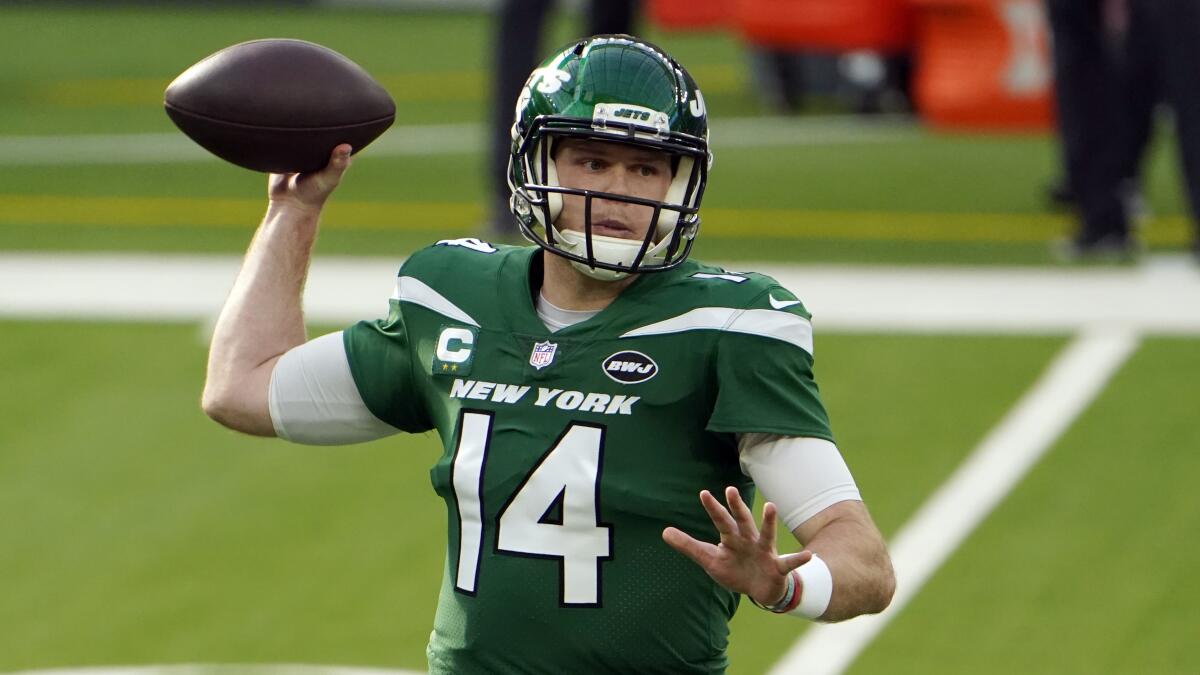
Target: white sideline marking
[220, 669]
[1161, 296]
[437, 139]
[951, 513]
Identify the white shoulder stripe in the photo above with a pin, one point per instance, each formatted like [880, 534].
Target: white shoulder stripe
[784, 326]
[411, 289]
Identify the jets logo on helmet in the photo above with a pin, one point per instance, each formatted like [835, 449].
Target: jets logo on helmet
[613, 88]
[549, 80]
[626, 114]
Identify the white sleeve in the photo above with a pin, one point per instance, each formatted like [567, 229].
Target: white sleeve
[802, 476]
[313, 398]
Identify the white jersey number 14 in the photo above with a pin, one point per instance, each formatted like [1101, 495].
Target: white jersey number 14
[565, 479]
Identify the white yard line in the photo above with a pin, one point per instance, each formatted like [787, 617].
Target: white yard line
[981, 482]
[1162, 296]
[437, 139]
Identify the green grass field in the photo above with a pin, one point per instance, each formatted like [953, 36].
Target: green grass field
[1089, 567]
[135, 531]
[148, 534]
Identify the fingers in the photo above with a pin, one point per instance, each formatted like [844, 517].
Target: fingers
[339, 159]
[738, 519]
[724, 522]
[791, 561]
[326, 179]
[310, 190]
[741, 513]
[767, 539]
[699, 552]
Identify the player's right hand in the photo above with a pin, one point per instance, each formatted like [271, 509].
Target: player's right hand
[309, 191]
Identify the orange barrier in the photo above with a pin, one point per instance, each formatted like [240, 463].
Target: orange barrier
[689, 14]
[826, 25]
[983, 64]
[980, 64]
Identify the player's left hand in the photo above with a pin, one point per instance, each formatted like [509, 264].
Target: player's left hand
[745, 560]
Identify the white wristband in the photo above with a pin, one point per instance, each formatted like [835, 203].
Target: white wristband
[816, 591]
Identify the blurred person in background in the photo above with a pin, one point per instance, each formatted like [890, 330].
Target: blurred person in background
[1164, 48]
[1095, 45]
[586, 391]
[516, 47]
[1113, 60]
[1100, 130]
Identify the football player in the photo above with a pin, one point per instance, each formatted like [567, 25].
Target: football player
[607, 407]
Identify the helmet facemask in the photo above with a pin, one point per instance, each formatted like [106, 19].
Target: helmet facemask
[673, 223]
[613, 89]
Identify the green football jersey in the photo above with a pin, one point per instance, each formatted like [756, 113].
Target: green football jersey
[567, 453]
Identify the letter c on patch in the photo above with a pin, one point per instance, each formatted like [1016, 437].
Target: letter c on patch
[454, 345]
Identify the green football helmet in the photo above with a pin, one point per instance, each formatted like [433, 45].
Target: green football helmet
[613, 88]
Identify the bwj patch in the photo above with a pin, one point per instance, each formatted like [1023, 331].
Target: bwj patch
[543, 354]
[630, 367]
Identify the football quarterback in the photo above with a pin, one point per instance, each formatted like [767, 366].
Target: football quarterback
[607, 407]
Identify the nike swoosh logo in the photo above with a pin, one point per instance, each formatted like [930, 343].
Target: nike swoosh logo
[781, 304]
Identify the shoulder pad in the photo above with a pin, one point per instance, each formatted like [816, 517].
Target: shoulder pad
[748, 290]
[433, 260]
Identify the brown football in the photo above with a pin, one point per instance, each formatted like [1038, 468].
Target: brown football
[278, 105]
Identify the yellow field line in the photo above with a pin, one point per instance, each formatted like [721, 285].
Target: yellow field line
[217, 212]
[458, 217]
[421, 87]
[884, 225]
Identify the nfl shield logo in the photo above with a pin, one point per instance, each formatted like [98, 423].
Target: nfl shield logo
[543, 354]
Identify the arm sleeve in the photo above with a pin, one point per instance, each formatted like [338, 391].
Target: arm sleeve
[802, 476]
[313, 398]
